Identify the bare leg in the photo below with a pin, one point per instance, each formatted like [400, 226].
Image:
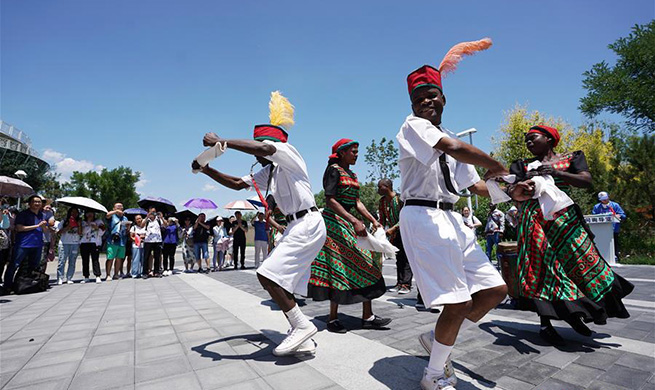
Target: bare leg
[485, 300]
[334, 311]
[118, 268]
[450, 321]
[367, 310]
[108, 265]
[282, 297]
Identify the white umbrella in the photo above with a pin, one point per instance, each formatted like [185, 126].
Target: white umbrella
[240, 205]
[14, 187]
[82, 202]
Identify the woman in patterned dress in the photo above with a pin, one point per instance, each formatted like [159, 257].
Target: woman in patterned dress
[560, 273]
[343, 272]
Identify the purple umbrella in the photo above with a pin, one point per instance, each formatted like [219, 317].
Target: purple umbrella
[161, 204]
[200, 203]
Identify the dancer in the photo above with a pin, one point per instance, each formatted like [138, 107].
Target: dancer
[450, 268]
[284, 174]
[560, 273]
[343, 272]
[389, 212]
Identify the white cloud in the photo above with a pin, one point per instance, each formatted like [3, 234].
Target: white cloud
[142, 181]
[65, 166]
[209, 187]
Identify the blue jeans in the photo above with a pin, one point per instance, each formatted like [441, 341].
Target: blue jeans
[220, 256]
[69, 254]
[201, 247]
[137, 261]
[492, 240]
[31, 255]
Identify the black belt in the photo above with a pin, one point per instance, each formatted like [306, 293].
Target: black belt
[299, 214]
[436, 204]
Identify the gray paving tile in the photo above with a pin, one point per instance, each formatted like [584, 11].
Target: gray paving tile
[601, 359]
[171, 366]
[46, 359]
[557, 358]
[124, 359]
[186, 381]
[104, 379]
[110, 349]
[155, 341]
[624, 376]
[578, 375]
[533, 372]
[36, 375]
[509, 383]
[599, 385]
[158, 353]
[641, 362]
[301, 378]
[554, 384]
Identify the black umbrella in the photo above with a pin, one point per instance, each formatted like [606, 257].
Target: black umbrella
[184, 214]
[162, 205]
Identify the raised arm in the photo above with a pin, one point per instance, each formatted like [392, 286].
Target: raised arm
[233, 182]
[255, 148]
[469, 154]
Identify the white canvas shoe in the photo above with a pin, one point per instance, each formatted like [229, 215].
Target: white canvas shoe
[435, 383]
[306, 348]
[98, 280]
[60, 281]
[294, 340]
[83, 281]
[69, 282]
[426, 339]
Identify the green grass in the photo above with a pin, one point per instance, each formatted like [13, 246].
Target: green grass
[638, 259]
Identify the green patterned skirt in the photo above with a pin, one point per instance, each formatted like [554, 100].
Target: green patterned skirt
[342, 272]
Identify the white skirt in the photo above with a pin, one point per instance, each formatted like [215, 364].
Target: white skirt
[448, 264]
[290, 263]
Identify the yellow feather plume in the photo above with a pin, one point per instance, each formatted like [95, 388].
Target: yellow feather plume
[280, 111]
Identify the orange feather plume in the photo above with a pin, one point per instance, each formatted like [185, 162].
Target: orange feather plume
[457, 52]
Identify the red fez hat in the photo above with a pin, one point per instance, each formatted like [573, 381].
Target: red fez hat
[341, 144]
[270, 132]
[549, 131]
[424, 76]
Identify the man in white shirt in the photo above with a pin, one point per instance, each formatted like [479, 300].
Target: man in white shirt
[284, 175]
[449, 266]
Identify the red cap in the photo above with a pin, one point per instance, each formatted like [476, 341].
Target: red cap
[550, 131]
[270, 132]
[341, 144]
[424, 76]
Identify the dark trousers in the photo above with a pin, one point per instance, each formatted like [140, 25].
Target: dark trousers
[236, 245]
[90, 250]
[403, 270]
[169, 256]
[153, 248]
[29, 256]
[5, 255]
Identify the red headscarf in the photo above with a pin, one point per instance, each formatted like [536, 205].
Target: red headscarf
[341, 144]
[549, 131]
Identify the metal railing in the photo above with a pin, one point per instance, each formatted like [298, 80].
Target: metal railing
[17, 140]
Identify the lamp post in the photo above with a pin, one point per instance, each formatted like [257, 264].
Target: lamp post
[470, 133]
[21, 174]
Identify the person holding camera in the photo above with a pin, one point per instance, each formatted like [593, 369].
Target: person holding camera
[117, 239]
[154, 226]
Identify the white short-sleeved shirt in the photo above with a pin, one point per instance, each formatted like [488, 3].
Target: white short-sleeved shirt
[70, 237]
[420, 173]
[91, 235]
[153, 230]
[290, 184]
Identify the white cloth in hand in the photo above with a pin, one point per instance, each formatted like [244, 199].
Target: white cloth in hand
[496, 193]
[551, 199]
[209, 154]
[376, 242]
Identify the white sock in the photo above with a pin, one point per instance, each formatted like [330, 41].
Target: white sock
[297, 319]
[371, 318]
[438, 358]
[466, 324]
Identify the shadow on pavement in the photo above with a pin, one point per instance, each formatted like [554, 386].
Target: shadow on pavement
[262, 350]
[403, 372]
[519, 335]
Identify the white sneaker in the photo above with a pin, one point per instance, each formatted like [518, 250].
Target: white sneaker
[98, 280]
[83, 281]
[293, 341]
[426, 339]
[108, 278]
[69, 282]
[435, 383]
[306, 348]
[60, 281]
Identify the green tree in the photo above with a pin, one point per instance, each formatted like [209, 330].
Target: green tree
[382, 159]
[36, 169]
[106, 187]
[627, 88]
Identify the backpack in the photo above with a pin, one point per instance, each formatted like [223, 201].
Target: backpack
[29, 282]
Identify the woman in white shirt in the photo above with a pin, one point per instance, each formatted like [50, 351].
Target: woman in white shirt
[90, 244]
[138, 234]
[220, 244]
[70, 230]
[469, 219]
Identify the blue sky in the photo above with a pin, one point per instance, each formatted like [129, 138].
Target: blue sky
[137, 83]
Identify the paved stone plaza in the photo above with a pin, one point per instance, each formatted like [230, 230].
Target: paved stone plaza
[192, 331]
